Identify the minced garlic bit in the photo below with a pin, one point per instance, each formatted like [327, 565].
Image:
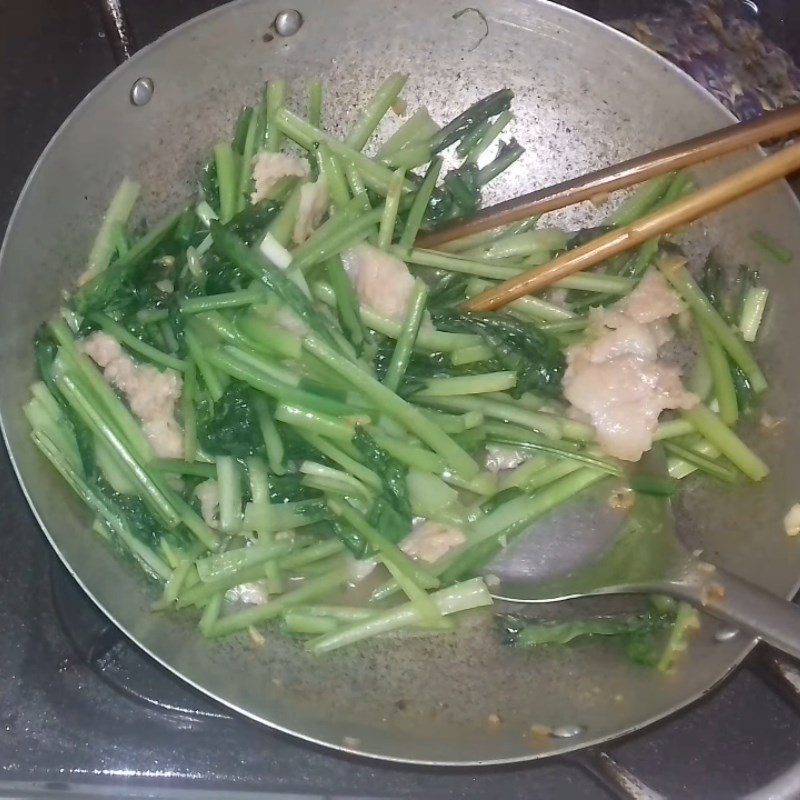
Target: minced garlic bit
[771, 424]
[791, 522]
[714, 593]
[621, 499]
[672, 263]
[255, 637]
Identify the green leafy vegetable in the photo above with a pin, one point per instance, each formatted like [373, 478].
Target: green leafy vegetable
[509, 152]
[637, 634]
[475, 115]
[317, 422]
[100, 292]
[251, 223]
[141, 521]
[230, 426]
[686, 620]
[233, 248]
[534, 355]
[391, 511]
[45, 349]
[209, 185]
[350, 538]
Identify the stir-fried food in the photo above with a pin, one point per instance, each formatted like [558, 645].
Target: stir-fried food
[274, 404]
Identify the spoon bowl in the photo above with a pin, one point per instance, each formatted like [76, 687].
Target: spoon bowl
[596, 545]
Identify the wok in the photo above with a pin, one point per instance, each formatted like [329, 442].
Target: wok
[586, 96]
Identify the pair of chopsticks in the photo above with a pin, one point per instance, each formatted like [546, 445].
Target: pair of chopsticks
[683, 211]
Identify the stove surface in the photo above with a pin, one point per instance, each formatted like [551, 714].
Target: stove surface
[84, 713]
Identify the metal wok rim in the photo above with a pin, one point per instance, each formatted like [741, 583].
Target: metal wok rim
[564, 748]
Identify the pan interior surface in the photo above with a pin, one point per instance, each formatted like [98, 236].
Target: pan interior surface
[585, 97]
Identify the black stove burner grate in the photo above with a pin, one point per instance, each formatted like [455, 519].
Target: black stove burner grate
[102, 647]
[107, 652]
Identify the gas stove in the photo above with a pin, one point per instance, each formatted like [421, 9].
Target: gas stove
[85, 713]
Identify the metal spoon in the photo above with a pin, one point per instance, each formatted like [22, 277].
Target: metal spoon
[586, 547]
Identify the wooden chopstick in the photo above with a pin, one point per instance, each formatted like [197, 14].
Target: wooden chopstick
[658, 223]
[620, 176]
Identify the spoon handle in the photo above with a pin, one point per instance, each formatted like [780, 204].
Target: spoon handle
[774, 620]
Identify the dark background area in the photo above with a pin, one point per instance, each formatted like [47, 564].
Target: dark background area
[80, 707]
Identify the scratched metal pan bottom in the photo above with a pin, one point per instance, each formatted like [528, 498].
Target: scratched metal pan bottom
[585, 96]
